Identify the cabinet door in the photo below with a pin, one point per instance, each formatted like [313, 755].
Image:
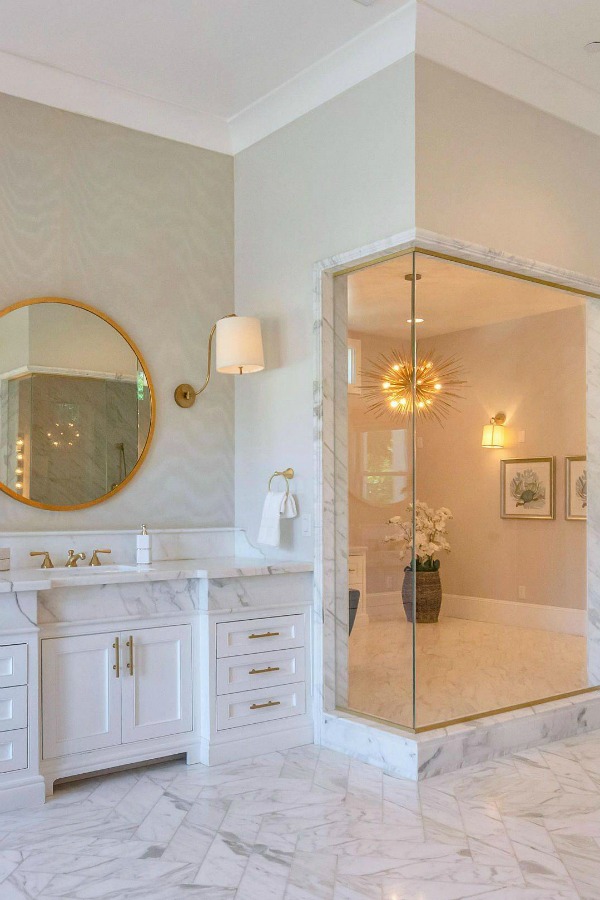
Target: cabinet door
[157, 682]
[81, 694]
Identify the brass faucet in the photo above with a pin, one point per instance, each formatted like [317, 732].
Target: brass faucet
[47, 563]
[71, 562]
[94, 561]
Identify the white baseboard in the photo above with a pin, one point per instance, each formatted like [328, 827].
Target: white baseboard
[508, 612]
[387, 605]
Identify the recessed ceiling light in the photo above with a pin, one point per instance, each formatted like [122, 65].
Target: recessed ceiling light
[593, 47]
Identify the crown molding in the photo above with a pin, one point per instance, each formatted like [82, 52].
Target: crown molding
[456, 46]
[375, 49]
[40, 83]
[415, 27]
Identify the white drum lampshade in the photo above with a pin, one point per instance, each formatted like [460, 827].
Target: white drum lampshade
[239, 346]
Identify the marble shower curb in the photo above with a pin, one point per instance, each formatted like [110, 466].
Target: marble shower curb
[443, 750]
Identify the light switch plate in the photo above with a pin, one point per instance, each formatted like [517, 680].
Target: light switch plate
[306, 525]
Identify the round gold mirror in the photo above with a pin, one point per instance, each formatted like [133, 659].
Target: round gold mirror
[76, 404]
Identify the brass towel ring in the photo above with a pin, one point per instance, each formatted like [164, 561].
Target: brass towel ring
[287, 474]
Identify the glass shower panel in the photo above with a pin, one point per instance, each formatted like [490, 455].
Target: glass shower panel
[379, 650]
[501, 486]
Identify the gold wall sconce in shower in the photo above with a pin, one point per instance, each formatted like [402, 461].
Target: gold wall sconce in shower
[239, 351]
[494, 433]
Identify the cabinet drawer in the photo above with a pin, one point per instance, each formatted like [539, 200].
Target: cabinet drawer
[13, 708]
[256, 635]
[13, 665]
[13, 750]
[251, 707]
[259, 670]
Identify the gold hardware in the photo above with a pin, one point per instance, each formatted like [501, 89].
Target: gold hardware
[94, 561]
[185, 395]
[47, 563]
[262, 671]
[265, 705]
[251, 637]
[117, 665]
[129, 644]
[71, 562]
[287, 474]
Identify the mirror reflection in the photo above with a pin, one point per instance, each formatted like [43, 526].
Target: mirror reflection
[75, 405]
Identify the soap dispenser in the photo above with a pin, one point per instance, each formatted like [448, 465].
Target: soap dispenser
[144, 547]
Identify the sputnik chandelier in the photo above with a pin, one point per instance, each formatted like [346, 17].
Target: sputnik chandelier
[389, 386]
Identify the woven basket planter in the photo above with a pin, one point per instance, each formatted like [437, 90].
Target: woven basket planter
[429, 596]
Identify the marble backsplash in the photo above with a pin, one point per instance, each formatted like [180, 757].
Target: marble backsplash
[172, 543]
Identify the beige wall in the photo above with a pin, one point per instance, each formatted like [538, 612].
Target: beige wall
[498, 172]
[533, 369]
[339, 177]
[141, 228]
[79, 340]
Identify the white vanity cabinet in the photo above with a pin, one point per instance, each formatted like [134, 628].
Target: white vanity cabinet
[102, 690]
[257, 668]
[156, 682]
[81, 694]
[207, 659]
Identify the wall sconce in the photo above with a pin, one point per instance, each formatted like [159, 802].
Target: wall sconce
[493, 434]
[239, 352]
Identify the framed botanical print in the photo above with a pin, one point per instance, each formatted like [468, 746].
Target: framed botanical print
[527, 488]
[575, 487]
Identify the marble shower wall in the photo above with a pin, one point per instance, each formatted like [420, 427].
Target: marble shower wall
[141, 228]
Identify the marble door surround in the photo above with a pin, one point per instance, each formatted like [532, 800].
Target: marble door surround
[396, 750]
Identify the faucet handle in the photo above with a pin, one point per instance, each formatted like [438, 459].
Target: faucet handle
[47, 563]
[94, 561]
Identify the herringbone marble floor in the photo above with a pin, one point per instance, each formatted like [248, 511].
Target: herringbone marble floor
[311, 824]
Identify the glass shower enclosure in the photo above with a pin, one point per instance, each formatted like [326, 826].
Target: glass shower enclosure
[464, 418]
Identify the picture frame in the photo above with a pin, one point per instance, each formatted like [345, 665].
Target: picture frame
[576, 488]
[527, 488]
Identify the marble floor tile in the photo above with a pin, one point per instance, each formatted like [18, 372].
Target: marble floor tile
[463, 668]
[311, 824]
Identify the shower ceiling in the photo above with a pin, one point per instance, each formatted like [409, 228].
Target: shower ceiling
[450, 297]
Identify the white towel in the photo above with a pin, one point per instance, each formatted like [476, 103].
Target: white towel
[278, 505]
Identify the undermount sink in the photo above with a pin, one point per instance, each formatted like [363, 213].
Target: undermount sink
[89, 570]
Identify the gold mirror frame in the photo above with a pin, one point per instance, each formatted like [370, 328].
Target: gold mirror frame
[96, 312]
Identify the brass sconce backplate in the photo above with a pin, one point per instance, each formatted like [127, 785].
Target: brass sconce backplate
[185, 395]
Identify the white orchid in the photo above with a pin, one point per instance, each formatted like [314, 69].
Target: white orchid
[430, 536]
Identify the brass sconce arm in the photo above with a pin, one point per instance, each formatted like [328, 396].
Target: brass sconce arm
[185, 394]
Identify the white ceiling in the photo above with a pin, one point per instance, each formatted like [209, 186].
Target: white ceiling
[215, 56]
[450, 297]
[552, 32]
[224, 73]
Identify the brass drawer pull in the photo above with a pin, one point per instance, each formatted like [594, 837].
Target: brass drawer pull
[251, 637]
[117, 665]
[265, 705]
[129, 644]
[262, 671]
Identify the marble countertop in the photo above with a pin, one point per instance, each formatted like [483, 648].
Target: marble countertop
[166, 570]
